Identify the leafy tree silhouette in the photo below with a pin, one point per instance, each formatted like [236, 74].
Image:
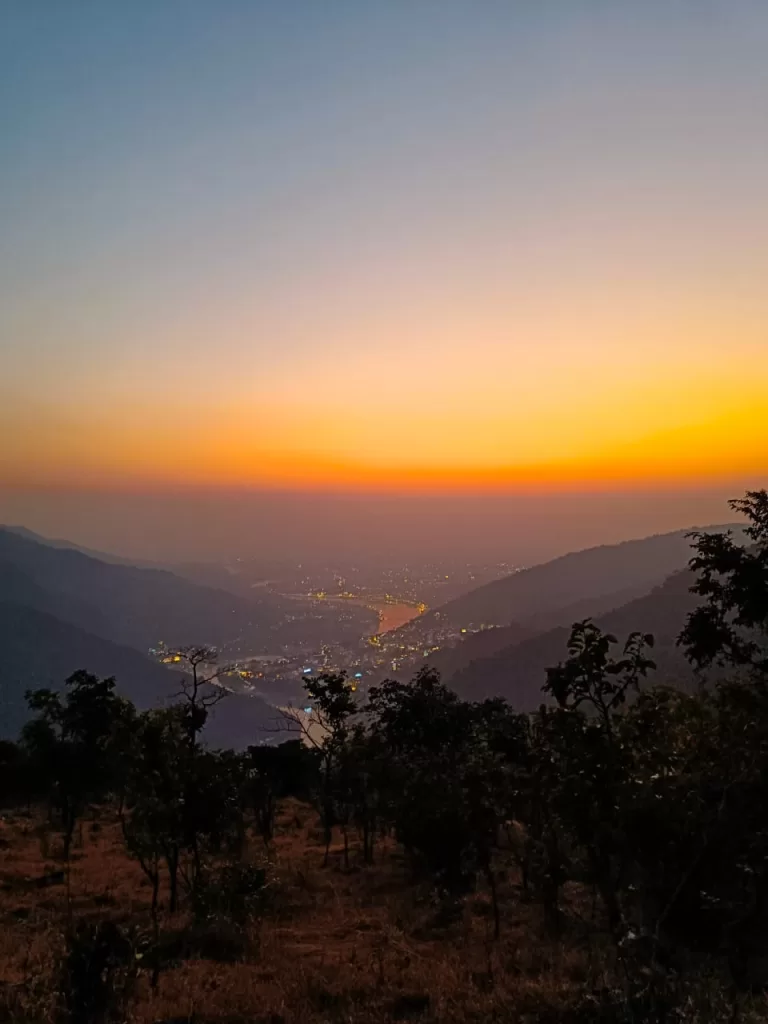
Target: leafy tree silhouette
[591, 676]
[333, 708]
[273, 773]
[731, 626]
[76, 742]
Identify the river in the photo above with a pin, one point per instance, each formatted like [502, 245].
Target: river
[391, 616]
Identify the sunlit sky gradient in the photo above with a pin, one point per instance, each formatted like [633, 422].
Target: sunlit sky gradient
[383, 245]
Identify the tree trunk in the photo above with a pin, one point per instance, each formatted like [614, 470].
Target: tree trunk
[601, 871]
[69, 829]
[172, 860]
[491, 879]
[155, 925]
[328, 837]
[551, 883]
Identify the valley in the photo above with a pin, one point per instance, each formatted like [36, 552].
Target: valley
[493, 635]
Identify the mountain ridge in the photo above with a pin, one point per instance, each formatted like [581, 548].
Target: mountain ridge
[61, 544]
[133, 605]
[591, 573]
[518, 671]
[40, 650]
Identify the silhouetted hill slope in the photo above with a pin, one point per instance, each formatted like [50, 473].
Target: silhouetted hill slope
[484, 644]
[18, 588]
[488, 642]
[37, 649]
[519, 671]
[259, 619]
[68, 545]
[240, 721]
[130, 605]
[582, 575]
[587, 607]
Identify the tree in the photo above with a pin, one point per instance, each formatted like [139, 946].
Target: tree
[444, 779]
[593, 769]
[591, 676]
[200, 692]
[333, 707]
[200, 688]
[151, 814]
[76, 742]
[15, 772]
[274, 773]
[731, 626]
[160, 826]
[695, 823]
[363, 775]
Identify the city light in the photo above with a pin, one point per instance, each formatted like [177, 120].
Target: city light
[392, 595]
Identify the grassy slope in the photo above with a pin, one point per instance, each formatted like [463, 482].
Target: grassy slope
[334, 945]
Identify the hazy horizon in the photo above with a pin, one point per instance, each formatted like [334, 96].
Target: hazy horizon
[189, 525]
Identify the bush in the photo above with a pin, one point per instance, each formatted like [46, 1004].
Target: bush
[236, 892]
[97, 974]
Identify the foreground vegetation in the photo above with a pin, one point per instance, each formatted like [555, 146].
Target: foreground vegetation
[426, 858]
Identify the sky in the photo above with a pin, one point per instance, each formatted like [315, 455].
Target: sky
[439, 250]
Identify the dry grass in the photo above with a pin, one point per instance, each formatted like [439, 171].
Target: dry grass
[333, 945]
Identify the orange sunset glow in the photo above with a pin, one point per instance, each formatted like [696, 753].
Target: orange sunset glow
[592, 425]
